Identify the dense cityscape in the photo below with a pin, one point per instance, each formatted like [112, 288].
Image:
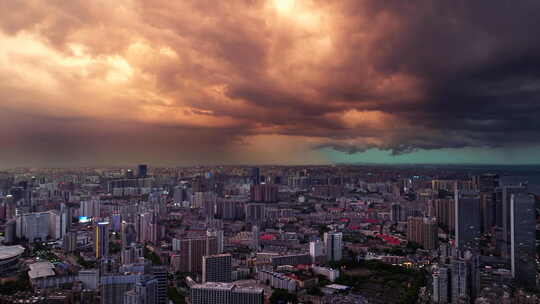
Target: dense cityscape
[269, 152]
[270, 234]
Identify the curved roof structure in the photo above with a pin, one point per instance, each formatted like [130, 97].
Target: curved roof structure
[8, 252]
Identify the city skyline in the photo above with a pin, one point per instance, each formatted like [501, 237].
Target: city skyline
[270, 81]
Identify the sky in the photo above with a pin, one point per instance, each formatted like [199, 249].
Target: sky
[268, 81]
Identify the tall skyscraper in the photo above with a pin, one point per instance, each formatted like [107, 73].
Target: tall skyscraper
[485, 183]
[55, 225]
[148, 228]
[176, 243]
[70, 241]
[487, 211]
[333, 242]
[523, 239]
[10, 232]
[144, 292]
[142, 171]
[465, 276]
[441, 290]
[129, 234]
[160, 274]
[10, 207]
[255, 176]
[225, 293]
[218, 234]
[66, 216]
[444, 211]
[131, 254]
[505, 204]
[255, 213]
[255, 235]
[90, 208]
[114, 287]
[467, 210]
[101, 240]
[264, 193]
[316, 251]
[396, 213]
[217, 268]
[34, 226]
[423, 231]
[192, 250]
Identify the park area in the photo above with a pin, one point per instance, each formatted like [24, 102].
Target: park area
[382, 283]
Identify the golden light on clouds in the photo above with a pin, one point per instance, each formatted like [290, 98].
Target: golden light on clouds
[224, 79]
[285, 6]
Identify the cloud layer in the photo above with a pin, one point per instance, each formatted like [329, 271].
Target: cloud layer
[85, 82]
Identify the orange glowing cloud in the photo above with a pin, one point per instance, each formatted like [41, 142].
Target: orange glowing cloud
[228, 81]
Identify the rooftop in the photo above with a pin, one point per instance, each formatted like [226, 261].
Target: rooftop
[41, 270]
[212, 285]
[338, 287]
[8, 252]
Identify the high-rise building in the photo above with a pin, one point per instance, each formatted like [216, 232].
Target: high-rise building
[255, 176]
[34, 226]
[129, 234]
[148, 282]
[333, 242]
[444, 211]
[225, 293]
[441, 290]
[205, 201]
[142, 171]
[217, 268]
[264, 193]
[144, 292]
[485, 183]
[192, 250]
[396, 213]
[290, 259]
[66, 215]
[148, 228]
[316, 251]
[218, 234]
[114, 287]
[467, 216]
[131, 254]
[523, 239]
[89, 278]
[160, 274]
[465, 276]
[505, 196]
[10, 207]
[180, 194]
[487, 211]
[423, 231]
[70, 241]
[229, 209]
[255, 235]
[101, 240]
[10, 232]
[255, 213]
[55, 225]
[90, 208]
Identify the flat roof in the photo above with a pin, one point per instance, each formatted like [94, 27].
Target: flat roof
[8, 252]
[214, 285]
[41, 270]
[338, 286]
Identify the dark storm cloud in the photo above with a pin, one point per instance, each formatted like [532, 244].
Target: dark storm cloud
[199, 78]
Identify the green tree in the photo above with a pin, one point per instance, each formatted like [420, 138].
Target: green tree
[21, 284]
[176, 296]
[152, 256]
[282, 296]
